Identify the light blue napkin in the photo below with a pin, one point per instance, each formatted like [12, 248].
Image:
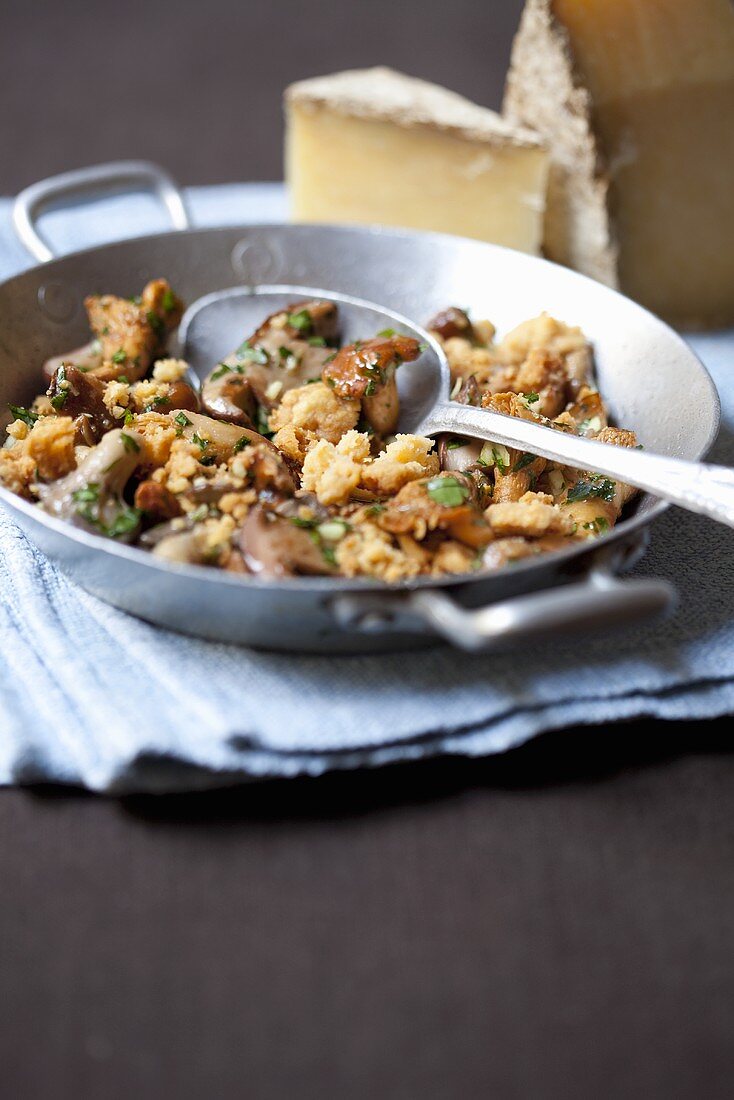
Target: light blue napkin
[91, 696]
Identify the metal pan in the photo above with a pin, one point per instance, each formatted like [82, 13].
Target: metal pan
[650, 377]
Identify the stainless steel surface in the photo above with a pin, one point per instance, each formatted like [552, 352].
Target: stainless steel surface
[575, 608]
[99, 179]
[217, 323]
[651, 378]
[696, 486]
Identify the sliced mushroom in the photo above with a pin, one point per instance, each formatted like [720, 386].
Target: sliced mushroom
[222, 439]
[276, 547]
[91, 495]
[457, 453]
[366, 370]
[230, 396]
[86, 358]
[286, 351]
[452, 322]
[183, 547]
[443, 503]
[81, 396]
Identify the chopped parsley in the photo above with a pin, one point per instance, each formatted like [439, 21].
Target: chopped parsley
[28, 416]
[523, 461]
[593, 486]
[126, 520]
[182, 421]
[168, 301]
[197, 439]
[387, 332]
[156, 403]
[59, 399]
[220, 371]
[301, 321]
[456, 441]
[254, 354]
[531, 398]
[242, 442]
[129, 442]
[88, 502]
[119, 356]
[262, 424]
[448, 491]
[155, 322]
[375, 509]
[317, 341]
[599, 525]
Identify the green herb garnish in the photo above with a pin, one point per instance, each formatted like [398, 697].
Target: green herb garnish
[240, 445]
[168, 301]
[28, 416]
[523, 461]
[129, 442]
[593, 486]
[119, 356]
[182, 421]
[447, 491]
[300, 320]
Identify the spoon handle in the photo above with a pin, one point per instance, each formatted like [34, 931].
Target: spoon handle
[696, 486]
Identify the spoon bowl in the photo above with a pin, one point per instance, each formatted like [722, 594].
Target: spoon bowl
[216, 323]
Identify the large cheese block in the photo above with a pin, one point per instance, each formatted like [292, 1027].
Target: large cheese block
[635, 99]
[375, 146]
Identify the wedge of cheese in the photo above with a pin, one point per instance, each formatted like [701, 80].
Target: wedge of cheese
[635, 99]
[374, 146]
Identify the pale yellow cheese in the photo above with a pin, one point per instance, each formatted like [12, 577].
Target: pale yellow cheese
[374, 146]
[635, 99]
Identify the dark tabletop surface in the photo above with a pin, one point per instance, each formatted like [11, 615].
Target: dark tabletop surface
[557, 922]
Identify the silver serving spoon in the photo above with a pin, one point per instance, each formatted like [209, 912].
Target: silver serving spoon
[217, 323]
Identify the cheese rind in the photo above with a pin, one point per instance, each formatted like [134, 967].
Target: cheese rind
[636, 103]
[376, 147]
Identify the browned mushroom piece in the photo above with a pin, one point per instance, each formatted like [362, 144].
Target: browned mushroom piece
[132, 331]
[469, 392]
[157, 502]
[218, 439]
[229, 396]
[443, 503]
[503, 552]
[366, 370]
[274, 546]
[181, 396]
[91, 496]
[452, 322]
[81, 396]
[288, 350]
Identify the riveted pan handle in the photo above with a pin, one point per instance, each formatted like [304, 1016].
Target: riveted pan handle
[99, 179]
[600, 602]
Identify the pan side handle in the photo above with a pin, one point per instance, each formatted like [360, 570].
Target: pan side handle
[99, 179]
[600, 602]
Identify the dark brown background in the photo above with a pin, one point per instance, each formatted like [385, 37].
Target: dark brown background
[554, 923]
[197, 86]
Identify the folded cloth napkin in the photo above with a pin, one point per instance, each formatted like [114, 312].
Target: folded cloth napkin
[91, 696]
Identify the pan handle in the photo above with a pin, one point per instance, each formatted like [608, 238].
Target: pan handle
[601, 601]
[100, 179]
